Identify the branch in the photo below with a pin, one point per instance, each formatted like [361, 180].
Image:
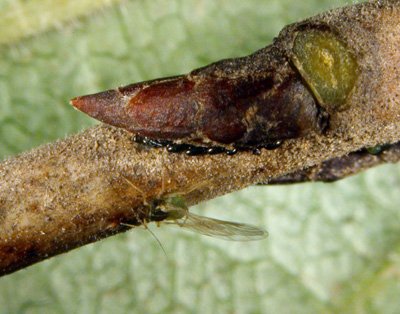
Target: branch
[74, 191]
[90, 185]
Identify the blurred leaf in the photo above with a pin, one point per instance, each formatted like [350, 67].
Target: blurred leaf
[21, 18]
[333, 248]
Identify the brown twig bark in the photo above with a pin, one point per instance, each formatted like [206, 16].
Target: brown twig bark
[75, 191]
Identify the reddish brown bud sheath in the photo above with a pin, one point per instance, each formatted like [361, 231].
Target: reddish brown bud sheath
[146, 108]
[246, 102]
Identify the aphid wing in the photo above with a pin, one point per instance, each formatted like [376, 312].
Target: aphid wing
[226, 230]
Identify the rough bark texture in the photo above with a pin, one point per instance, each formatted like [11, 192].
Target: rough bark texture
[74, 191]
[340, 167]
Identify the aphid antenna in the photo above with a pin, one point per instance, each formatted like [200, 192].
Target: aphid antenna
[136, 188]
[144, 221]
[151, 232]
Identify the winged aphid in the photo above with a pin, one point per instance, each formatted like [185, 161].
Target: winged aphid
[173, 210]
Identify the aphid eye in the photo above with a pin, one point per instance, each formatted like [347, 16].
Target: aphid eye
[327, 65]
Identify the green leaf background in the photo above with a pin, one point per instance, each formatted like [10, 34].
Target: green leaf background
[333, 248]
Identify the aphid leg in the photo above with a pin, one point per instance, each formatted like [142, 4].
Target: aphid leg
[151, 232]
[136, 188]
[144, 221]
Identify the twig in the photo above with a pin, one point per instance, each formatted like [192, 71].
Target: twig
[74, 191]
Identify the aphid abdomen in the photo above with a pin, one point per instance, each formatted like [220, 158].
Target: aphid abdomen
[158, 215]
